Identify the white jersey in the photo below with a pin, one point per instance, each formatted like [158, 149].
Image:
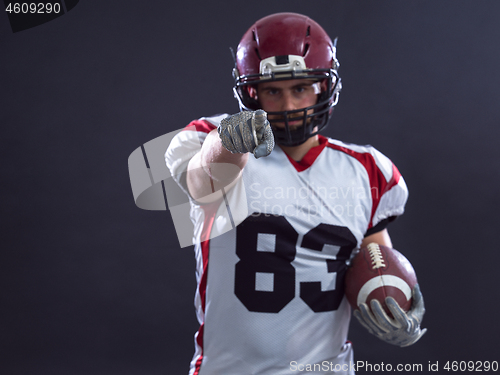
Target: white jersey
[272, 252]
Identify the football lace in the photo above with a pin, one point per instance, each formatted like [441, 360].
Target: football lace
[376, 255]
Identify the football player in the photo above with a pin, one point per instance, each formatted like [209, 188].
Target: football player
[280, 210]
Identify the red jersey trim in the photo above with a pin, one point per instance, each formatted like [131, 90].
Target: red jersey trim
[210, 210]
[311, 155]
[199, 340]
[202, 126]
[378, 184]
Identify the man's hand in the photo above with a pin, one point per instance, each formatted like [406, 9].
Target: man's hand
[404, 329]
[247, 131]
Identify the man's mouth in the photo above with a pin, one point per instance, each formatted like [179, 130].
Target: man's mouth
[293, 122]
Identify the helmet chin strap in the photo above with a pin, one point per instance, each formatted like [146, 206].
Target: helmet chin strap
[314, 119]
[296, 136]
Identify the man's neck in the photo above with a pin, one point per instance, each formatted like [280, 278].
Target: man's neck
[298, 152]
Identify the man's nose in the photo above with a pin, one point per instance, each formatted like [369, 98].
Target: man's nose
[288, 102]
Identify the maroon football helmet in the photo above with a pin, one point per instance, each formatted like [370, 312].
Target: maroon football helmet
[286, 46]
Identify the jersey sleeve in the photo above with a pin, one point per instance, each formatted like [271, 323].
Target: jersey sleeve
[388, 189]
[186, 144]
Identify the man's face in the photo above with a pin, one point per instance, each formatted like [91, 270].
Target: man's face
[287, 95]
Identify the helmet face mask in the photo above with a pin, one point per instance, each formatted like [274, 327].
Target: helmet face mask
[288, 46]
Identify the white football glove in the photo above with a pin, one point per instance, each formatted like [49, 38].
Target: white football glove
[404, 329]
[247, 131]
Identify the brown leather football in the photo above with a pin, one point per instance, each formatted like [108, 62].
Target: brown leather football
[377, 272]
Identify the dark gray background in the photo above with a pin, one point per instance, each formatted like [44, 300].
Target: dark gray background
[90, 284]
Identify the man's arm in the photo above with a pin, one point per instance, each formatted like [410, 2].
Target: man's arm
[213, 168]
[381, 238]
[224, 153]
